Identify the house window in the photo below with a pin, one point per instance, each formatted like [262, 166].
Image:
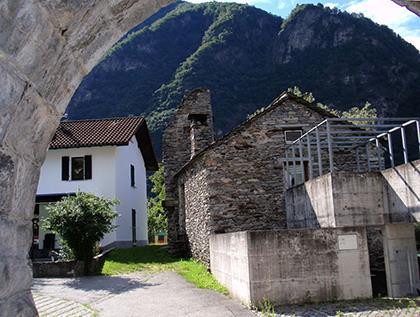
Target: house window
[79, 169]
[133, 226]
[292, 135]
[132, 176]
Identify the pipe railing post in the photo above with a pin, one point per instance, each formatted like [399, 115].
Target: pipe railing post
[367, 156]
[308, 139]
[330, 149]
[294, 165]
[287, 168]
[404, 145]
[378, 154]
[391, 151]
[318, 148]
[302, 170]
[418, 133]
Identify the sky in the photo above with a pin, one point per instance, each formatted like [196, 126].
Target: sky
[399, 19]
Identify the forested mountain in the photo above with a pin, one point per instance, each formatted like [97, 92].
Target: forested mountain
[247, 57]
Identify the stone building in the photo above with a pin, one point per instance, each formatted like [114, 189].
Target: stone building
[233, 204]
[235, 183]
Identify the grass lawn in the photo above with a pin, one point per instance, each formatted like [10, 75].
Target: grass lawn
[153, 259]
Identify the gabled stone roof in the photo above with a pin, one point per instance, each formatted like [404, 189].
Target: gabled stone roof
[105, 132]
[274, 104]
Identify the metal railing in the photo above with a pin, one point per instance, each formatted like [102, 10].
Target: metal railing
[351, 144]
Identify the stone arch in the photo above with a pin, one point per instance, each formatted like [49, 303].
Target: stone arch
[46, 48]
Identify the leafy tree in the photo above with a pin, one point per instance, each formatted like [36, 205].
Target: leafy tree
[81, 221]
[367, 111]
[304, 95]
[157, 219]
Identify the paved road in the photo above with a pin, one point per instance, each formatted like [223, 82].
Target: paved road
[165, 294]
[169, 295]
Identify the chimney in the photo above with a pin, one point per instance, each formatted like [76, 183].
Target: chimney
[201, 134]
[201, 121]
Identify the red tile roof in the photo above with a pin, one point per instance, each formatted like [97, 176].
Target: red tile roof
[102, 132]
[82, 133]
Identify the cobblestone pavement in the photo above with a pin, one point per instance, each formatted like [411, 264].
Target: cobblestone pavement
[371, 308]
[49, 306]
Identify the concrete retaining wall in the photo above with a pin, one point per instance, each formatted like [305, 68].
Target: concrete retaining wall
[229, 261]
[346, 199]
[403, 188]
[292, 266]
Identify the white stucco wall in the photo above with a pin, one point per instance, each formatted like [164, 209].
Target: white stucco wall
[110, 179]
[103, 175]
[131, 197]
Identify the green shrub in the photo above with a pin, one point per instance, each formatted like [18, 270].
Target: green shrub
[81, 221]
[157, 220]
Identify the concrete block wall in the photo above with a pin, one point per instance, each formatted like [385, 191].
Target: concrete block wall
[292, 266]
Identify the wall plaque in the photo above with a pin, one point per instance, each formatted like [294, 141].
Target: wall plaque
[347, 242]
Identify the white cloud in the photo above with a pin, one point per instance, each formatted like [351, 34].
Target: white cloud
[389, 13]
[410, 35]
[382, 11]
[331, 5]
[281, 4]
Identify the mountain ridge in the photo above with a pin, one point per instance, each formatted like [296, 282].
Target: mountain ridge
[247, 57]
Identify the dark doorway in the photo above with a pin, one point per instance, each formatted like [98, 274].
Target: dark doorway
[377, 261]
[133, 226]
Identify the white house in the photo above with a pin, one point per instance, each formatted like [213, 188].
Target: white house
[107, 157]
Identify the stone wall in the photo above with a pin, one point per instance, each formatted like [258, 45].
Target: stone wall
[179, 143]
[237, 183]
[293, 266]
[46, 48]
[69, 268]
[197, 205]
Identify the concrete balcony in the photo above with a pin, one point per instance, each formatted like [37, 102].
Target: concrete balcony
[350, 199]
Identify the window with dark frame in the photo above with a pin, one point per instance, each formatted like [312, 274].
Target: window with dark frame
[76, 168]
[132, 176]
[292, 135]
